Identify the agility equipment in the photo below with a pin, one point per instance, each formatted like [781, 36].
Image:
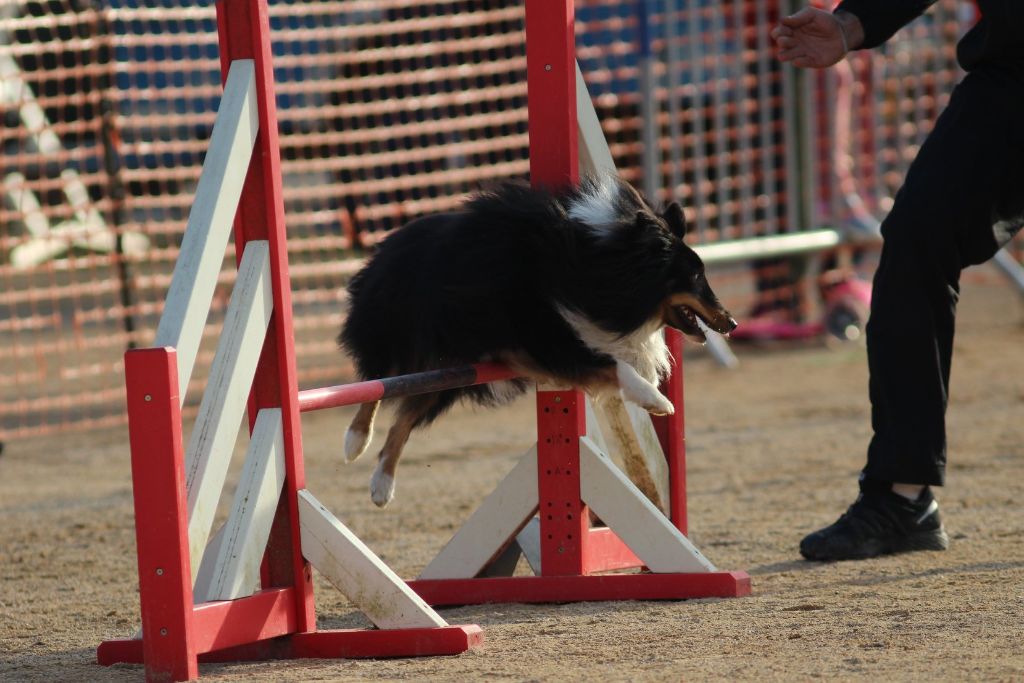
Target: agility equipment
[251, 594]
[542, 509]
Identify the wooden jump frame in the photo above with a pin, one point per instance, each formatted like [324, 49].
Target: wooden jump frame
[250, 596]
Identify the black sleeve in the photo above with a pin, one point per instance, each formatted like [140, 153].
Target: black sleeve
[882, 18]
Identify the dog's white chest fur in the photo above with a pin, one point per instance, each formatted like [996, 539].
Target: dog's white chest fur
[644, 349]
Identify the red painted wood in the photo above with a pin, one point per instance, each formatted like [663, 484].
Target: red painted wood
[244, 32]
[607, 552]
[161, 514]
[226, 623]
[598, 587]
[564, 519]
[340, 395]
[671, 431]
[402, 385]
[349, 644]
[551, 92]
[551, 100]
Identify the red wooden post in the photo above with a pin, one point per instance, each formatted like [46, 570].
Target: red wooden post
[244, 31]
[561, 419]
[671, 431]
[161, 514]
[564, 519]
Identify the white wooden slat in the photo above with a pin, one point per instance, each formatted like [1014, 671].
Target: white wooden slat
[594, 156]
[227, 392]
[500, 517]
[210, 220]
[621, 505]
[632, 443]
[236, 568]
[204, 576]
[23, 200]
[357, 572]
[529, 543]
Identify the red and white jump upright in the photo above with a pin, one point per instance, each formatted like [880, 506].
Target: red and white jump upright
[250, 596]
[546, 500]
[542, 509]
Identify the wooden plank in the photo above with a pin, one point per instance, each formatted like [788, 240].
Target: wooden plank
[353, 568]
[204, 576]
[227, 392]
[236, 565]
[158, 489]
[211, 219]
[632, 443]
[598, 587]
[621, 505]
[529, 543]
[594, 156]
[489, 529]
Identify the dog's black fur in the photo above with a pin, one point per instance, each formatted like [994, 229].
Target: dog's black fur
[493, 282]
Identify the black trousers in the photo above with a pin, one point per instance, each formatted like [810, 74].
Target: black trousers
[962, 199]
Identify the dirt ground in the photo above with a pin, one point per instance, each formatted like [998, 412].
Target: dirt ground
[774, 448]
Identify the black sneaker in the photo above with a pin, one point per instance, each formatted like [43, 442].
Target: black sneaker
[879, 522]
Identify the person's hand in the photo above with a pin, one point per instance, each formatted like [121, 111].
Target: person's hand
[816, 38]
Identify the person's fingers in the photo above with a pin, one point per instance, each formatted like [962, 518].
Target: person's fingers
[801, 18]
[791, 55]
[781, 31]
[786, 42]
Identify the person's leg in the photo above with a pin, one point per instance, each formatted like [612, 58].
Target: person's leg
[941, 222]
[964, 180]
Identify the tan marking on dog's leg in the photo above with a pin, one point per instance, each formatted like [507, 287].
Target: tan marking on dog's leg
[360, 432]
[641, 392]
[382, 483]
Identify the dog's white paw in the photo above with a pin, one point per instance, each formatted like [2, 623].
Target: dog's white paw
[356, 443]
[658, 406]
[382, 488]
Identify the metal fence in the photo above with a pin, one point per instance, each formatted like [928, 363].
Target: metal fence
[390, 109]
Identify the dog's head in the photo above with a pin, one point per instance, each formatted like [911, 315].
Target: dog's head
[690, 297]
[641, 265]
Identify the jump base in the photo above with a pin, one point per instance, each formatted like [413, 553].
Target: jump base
[592, 588]
[338, 644]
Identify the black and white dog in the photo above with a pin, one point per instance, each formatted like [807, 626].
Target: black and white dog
[571, 288]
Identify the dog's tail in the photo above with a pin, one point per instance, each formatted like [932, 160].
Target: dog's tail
[359, 433]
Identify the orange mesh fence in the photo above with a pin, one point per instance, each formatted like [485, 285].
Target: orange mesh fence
[388, 109]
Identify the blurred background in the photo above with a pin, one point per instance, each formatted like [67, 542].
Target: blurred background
[390, 109]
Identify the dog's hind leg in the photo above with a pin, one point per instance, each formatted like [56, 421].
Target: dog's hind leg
[359, 433]
[412, 412]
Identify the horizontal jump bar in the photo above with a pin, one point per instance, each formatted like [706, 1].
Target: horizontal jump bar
[767, 246]
[403, 385]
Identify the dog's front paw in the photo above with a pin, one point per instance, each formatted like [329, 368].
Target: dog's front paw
[356, 443]
[658, 406]
[382, 488]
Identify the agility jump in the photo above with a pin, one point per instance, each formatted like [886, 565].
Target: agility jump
[246, 592]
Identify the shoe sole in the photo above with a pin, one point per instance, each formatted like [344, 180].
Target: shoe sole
[931, 540]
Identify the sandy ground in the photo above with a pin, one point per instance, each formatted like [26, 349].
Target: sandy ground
[773, 452]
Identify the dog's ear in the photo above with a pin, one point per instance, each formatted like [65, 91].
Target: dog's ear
[676, 220]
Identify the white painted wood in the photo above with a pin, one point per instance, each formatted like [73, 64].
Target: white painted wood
[529, 543]
[227, 392]
[353, 568]
[24, 201]
[236, 567]
[92, 234]
[502, 514]
[594, 156]
[644, 529]
[633, 445]
[210, 221]
[205, 574]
